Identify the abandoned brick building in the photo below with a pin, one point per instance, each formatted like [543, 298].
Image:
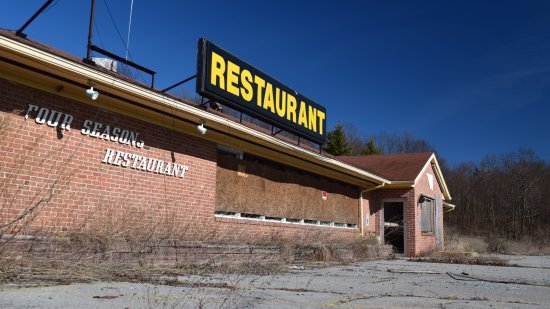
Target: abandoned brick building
[135, 153]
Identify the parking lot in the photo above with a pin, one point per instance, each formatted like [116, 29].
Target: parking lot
[396, 283]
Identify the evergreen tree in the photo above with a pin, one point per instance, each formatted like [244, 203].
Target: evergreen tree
[337, 143]
[371, 148]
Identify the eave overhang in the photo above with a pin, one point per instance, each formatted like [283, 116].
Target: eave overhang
[43, 70]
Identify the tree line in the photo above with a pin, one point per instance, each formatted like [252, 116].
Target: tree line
[505, 195]
[345, 140]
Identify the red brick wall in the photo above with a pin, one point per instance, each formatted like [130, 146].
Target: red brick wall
[57, 179]
[59, 173]
[373, 212]
[253, 231]
[416, 242]
[425, 242]
[410, 219]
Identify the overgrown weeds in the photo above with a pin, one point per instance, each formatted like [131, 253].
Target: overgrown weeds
[110, 254]
[458, 242]
[468, 260]
[321, 249]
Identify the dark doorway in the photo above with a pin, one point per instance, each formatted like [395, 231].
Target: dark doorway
[394, 226]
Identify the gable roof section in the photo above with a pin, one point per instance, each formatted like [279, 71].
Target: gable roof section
[403, 170]
[395, 167]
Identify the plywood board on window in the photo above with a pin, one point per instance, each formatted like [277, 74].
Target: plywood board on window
[273, 190]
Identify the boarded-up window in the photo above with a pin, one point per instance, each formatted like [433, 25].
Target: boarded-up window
[273, 190]
[427, 215]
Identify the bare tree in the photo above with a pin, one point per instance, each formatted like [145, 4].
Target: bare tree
[402, 143]
[502, 196]
[353, 138]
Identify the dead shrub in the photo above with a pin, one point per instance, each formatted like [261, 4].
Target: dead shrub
[104, 248]
[456, 242]
[325, 252]
[288, 251]
[526, 246]
[304, 248]
[497, 245]
[320, 248]
[367, 248]
[80, 241]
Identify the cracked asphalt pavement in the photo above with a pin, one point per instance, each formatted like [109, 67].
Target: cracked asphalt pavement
[375, 284]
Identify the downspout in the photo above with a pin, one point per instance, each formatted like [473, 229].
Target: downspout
[361, 210]
[450, 207]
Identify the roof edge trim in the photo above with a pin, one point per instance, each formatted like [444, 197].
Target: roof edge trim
[437, 169]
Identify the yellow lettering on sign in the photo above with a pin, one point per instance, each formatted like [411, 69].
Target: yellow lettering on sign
[312, 116]
[217, 71]
[268, 98]
[233, 72]
[243, 83]
[302, 116]
[246, 90]
[321, 116]
[291, 108]
[280, 105]
[260, 82]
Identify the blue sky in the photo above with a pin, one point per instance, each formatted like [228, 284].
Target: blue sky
[470, 77]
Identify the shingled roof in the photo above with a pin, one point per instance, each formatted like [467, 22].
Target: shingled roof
[395, 167]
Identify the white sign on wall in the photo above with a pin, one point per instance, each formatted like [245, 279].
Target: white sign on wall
[142, 163]
[430, 180]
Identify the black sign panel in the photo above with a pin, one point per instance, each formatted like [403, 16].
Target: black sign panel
[225, 78]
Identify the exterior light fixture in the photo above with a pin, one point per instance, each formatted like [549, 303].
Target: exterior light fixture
[216, 106]
[92, 94]
[201, 128]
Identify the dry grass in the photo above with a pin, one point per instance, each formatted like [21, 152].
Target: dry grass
[468, 260]
[317, 249]
[524, 246]
[109, 246]
[456, 242]
[105, 253]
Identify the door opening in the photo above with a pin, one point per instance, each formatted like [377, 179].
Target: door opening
[394, 232]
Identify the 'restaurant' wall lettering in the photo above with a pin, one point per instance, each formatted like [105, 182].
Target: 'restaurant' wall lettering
[142, 163]
[53, 118]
